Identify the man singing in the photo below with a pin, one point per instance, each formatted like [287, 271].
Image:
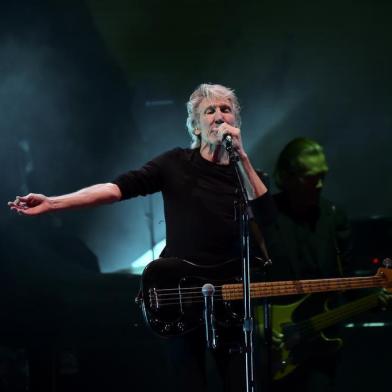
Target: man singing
[200, 191]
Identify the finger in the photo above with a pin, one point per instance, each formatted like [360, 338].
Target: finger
[226, 128]
[15, 206]
[23, 212]
[24, 198]
[18, 210]
[15, 202]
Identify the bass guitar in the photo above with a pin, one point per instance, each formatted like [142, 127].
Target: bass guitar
[304, 336]
[172, 300]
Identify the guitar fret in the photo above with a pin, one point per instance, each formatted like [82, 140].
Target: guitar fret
[346, 311]
[271, 289]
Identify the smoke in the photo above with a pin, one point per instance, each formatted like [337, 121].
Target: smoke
[33, 114]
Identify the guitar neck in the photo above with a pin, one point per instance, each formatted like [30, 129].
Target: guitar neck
[344, 312]
[232, 292]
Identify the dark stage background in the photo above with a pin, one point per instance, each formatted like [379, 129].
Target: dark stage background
[90, 89]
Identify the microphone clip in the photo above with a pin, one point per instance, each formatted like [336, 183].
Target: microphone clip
[227, 141]
[208, 291]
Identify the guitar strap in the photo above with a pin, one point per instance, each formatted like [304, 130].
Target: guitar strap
[259, 238]
[255, 228]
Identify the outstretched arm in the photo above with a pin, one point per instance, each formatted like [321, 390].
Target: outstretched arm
[35, 204]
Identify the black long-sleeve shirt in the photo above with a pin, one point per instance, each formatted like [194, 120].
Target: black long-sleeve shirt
[315, 245]
[199, 204]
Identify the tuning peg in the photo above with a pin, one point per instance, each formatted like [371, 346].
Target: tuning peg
[387, 262]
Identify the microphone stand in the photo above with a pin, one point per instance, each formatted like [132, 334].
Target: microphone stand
[243, 208]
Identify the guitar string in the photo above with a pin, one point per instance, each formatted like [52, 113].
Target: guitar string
[264, 287]
[190, 297]
[305, 283]
[262, 290]
[195, 300]
[346, 309]
[278, 290]
[310, 326]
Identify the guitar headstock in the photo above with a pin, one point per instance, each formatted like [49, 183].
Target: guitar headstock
[386, 273]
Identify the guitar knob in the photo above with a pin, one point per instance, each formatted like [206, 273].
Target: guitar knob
[387, 262]
[167, 327]
[180, 326]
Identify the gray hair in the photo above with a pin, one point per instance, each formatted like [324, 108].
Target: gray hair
[208, 91]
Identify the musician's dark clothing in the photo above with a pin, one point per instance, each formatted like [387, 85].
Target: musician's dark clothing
[306, 246]
[312, 245]
[199, 199]
[199, 204]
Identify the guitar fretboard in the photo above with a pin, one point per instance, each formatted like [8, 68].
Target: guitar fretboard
[232, 292]
[344, 312]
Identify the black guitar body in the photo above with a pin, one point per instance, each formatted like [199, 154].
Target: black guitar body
[172, 299]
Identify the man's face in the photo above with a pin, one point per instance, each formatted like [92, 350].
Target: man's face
[212, 113]
[309, 183]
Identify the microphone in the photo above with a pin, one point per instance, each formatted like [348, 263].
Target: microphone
[208, 291]
[227, 141]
